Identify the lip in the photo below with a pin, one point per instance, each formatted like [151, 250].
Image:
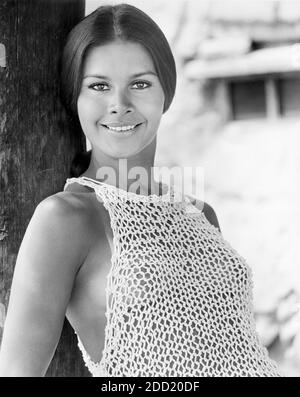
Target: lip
[120, 124]
[123, 134]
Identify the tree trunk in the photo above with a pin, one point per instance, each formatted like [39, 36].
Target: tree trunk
[37, 142]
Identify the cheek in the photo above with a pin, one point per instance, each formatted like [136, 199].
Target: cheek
[160, 99]
[157, 108]
[82, 107]
[153, 105]
[88, 108]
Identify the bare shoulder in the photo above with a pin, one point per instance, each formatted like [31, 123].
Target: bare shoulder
[69, 216]
[63, 207]
[208, 211]
[53, 248]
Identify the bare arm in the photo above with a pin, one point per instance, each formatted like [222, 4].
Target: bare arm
[48, 259]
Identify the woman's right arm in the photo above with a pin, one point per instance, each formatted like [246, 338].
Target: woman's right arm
[50, 254]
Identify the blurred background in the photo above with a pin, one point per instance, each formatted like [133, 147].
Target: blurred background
[236, 113]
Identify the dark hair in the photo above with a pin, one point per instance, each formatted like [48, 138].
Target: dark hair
[106, 24]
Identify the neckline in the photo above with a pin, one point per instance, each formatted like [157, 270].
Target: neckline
[123, 192]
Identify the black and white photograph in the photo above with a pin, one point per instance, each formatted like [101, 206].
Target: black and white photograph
[149, 190]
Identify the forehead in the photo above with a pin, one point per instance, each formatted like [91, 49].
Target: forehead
[109, 57]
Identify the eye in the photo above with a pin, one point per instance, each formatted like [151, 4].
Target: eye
[101, 85]
[140, 83]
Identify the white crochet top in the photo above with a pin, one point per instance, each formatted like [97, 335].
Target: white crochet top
[178, 296]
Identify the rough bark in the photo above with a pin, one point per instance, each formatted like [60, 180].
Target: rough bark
[37, 142]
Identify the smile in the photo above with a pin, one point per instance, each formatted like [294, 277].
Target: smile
[125, 130]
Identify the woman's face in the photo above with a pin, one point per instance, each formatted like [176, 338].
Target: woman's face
[120, 88]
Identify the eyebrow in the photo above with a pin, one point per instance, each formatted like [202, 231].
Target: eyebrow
[133, 76]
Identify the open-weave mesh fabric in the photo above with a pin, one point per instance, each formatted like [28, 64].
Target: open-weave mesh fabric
[178, 296]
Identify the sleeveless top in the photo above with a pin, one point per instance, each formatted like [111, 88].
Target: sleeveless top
[178, 296]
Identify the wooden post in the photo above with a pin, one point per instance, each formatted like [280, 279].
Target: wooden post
[272, 99]
[37, 142]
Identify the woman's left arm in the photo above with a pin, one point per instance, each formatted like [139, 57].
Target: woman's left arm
[208, 211]
[211, 216]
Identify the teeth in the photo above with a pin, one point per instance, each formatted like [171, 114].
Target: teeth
[125, 128]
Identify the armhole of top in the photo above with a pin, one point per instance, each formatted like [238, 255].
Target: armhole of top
[211, 216]
[207, 211]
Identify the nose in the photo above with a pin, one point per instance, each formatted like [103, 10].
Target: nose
[120, 103]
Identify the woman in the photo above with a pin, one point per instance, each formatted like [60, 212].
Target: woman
[150, 288]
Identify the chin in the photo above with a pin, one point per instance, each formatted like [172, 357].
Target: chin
[122, 154]
[127, 151]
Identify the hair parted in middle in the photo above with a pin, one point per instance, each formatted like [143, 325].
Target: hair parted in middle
[107, 24]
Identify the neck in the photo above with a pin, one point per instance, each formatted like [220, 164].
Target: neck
[123, 172]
